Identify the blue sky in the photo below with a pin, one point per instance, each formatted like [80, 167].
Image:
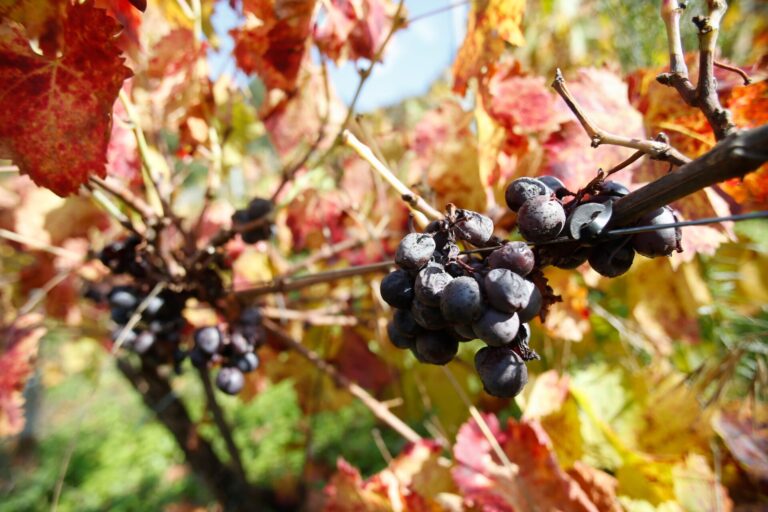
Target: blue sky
[414, 59]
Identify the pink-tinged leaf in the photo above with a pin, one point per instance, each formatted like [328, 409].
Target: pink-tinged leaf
[599, 486]
[55, 113]
[747, 439]
[126, 13]
[122, 152]
[532, 481]
[520, 103]
[356, 361]
[272, 41]
[17, 354]
[603, 96]
[353, 29]
[410, 483]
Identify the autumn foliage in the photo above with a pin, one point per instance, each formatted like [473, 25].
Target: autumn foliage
[651, 391]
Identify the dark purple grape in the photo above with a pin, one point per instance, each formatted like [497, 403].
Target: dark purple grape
[128, 338]
[208, 339]
[143, 342]
[523, 189]
[515, 256]
[248, 362]
[179, 355]
[430, 282]
[533, 307]
[198, 358]
[414, 251]
[435, 347]
[554, 184]
[397, 289]
[397, 338]
[250, 316]
[613, 188]
[566, 255]
[612, 259]
[258, 208]
[121, 316]
[540, 219]
[502, 371]
[119, 255]
[405, 323]
[507, 291]
[461, 301]
[473, 227]
[427, 316]
[661, 242]
[464, 331]
[257, 234]
[123, 297]
[230, 380]
[495, 327]
[239, 343]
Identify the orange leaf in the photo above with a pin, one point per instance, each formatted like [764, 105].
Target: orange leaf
[65, 102]
[273, 39]
[19, 350]
[490, 25]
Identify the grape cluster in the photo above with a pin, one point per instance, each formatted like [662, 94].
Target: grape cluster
[159, 328]
[257, 209]
[544, 215]
[442, 297]
[234, 349]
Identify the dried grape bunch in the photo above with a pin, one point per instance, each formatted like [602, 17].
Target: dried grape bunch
[443, 297]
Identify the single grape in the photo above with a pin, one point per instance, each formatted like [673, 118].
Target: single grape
[427, 316]
[435, 347]
[414, 251]
[208, 339]
[397, 338]
[250, 316]
[119, 255]
[540, 219]
[502, 371]
[473, 227]
[533, 307]
[239, 343]
[198, 358]
[507, 291]
[121, 315]
[257, 234]
[495, 327]
[661, 242]
[258, 208]
[247, 362]
[612, 259]
[565, 255]
[515, 256]
[464, 332]
[143, 342]
[230, 380]
[461, 301]
[397, 289]
[430, 282]
[523, 189]
[613, 188]
[154, 306]
[405, 323]
[554, 183]
[123, 297]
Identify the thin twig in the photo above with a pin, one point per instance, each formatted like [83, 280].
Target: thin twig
[126, 196]
[411, 198]
[657, 149]
[283, 285]
[136, 316]
[42, 246]
[112, 209]
[743, 74]
[221, 423]
[309, 317]
[376, 407]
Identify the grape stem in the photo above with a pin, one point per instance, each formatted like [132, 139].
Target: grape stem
[377, 408]
[413, 200]
[657, 148]
[126, 196]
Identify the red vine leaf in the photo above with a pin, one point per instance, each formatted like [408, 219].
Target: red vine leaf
[490, 25]
[17, 355]
[354, 29]
[65, 102]
[272, 41]
[534, 479]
